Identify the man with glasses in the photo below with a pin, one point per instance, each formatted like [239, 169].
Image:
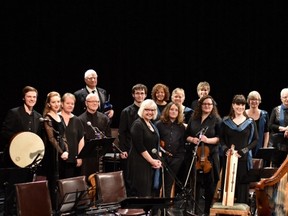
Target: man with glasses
[127, 117]
[96, 124]
[91, 80]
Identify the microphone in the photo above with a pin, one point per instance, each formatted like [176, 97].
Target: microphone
[100, 132]
[165, 152]
[96, 130]
[90, 125]
[41, 119]
[154, 151]
[202, 131]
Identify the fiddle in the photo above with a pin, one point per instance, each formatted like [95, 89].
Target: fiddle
[202, 158]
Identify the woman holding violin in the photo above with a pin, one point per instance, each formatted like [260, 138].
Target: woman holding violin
[203, 132]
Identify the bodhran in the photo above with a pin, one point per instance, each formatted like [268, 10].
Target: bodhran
[26, 149]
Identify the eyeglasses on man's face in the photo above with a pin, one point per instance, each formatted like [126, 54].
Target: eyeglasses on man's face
[139, 93]
[93, 101]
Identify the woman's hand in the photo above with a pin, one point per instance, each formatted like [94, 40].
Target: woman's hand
[79, 162]
[124, 155]
[64, 155]
[156, 164]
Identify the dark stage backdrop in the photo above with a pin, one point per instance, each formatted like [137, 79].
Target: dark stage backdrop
[237, 46]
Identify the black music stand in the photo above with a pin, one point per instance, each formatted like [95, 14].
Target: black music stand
[146, 203]
[269, 155]
[96, 147]
[72, 202]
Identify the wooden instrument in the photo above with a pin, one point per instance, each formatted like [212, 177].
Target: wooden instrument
[202, 155]
[263, 201]
[230, 178]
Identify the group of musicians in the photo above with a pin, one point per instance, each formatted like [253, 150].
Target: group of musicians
[36, 147]
[236, 128]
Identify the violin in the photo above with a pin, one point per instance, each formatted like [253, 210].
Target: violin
[202, 159]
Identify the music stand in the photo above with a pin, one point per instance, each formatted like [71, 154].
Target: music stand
[269, 155]
[96, 147]
[73, 202]
[146, 203]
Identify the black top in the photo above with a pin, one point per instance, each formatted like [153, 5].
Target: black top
[18, 120]
[127, 117]
[173, 136]
[74, 133]
[140, 172]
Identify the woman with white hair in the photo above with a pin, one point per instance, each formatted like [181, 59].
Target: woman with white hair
[278, 125]
[142, 162]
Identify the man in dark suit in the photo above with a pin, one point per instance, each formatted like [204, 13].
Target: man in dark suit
[90, 78]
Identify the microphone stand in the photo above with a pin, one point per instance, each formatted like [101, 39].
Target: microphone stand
[185, 192]
[33, 166]
[201, 133]
[56, 173]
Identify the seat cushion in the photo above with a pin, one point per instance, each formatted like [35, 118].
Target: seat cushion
[236, 206]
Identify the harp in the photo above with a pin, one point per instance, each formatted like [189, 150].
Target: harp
[230, 178]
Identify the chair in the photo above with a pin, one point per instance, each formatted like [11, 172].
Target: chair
[73, 195]
[33, 199]
[111, 191]
[237, 209]
[92, 188]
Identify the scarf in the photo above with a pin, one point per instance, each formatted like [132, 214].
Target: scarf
[245, 124]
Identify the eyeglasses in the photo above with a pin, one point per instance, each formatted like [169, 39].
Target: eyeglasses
[207, 104]
[150, 110]
[91, 78]
[93, 101]
[139, 93]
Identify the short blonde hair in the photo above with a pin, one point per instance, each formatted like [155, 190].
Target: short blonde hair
[253, 95]
[178, 91]
[202, 85]
[148, 104]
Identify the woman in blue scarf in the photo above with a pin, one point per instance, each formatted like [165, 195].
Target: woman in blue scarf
[239, 130]
[278, 125]
[261, 118]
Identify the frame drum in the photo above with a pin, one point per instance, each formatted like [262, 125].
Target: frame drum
[26, 148]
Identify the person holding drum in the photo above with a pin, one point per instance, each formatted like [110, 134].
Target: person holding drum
[24, 122]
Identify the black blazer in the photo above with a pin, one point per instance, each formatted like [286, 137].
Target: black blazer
[81, 95]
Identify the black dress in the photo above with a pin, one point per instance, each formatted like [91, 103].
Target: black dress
[245, 138]
[140, 172]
